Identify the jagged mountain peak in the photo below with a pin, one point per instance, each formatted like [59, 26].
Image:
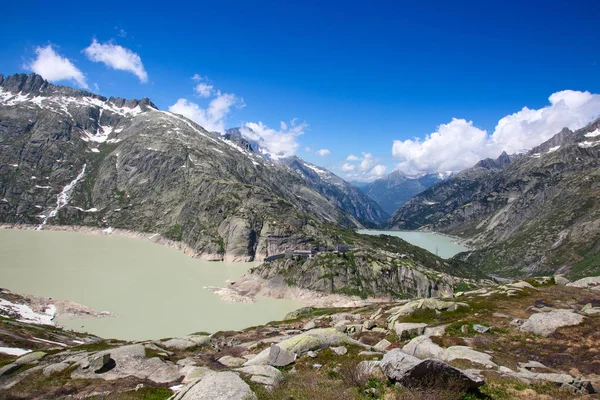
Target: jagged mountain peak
[496, 164]
[34, 88]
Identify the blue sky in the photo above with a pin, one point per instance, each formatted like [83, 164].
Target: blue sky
[356, 76]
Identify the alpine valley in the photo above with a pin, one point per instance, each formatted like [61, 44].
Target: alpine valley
[516, 315]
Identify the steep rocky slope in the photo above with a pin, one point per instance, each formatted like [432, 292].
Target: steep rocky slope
[374, 266]
[537, 214]
[345, 195]
[70, 157]
[397, 188]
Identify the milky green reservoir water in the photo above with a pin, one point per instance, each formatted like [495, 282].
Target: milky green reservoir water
[444, 246]
[156, 291]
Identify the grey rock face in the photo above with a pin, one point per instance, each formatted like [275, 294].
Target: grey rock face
[422, 347]
[54, 368]
[231, 362]
[30, 357]
[180, 344]
[407, 329]
[545, 324]
[263, 374]
[315, 339]
[219, 386]
[341, 350]
[467, 353]
[129, 361]
[410, 371]
[100, 362]
[481, 328]
[279, 357]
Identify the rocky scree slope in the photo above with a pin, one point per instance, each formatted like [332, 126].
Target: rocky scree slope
[537, 214]
[70, 157]
[394, 190]
[343, 194]
[534, 339]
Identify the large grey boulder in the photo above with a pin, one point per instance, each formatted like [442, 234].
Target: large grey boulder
[382, 345]
[54, 368]
[467, 353]
[129, 361]
[30, 358]
[561, 280]
[314, 339]
[218, 386]
[178, 344]
[368, 369]
[422, 347]
[589, 283]
[545, 324]
[100, 362]
[279, 357]
[422, 304]
[263, 374]
[412, 372]
[231, 362]
[406, 329]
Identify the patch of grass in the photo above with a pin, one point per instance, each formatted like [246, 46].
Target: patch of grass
[98, 346]
[174, 233]
[145, 393]
[507, 389]
[463, 287]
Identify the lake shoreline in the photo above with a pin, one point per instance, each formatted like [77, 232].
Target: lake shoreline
[154, 292]
[155, 238]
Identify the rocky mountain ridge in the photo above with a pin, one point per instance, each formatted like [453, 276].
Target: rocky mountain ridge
[538, 213]
[69, 157]
[344, 194]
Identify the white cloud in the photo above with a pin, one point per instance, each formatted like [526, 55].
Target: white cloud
[202, 88]
[279, 143]
[323, 152]
[378, 171]
[307, 149]
[117, 57]
[348, 167]
[454, 146]
[459, 144]
[54, 67]
[211, 118]
[366, 170]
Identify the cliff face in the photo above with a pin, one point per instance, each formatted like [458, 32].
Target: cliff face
[375, 266]
[70, 157]
[538, 214]
[345, 195]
